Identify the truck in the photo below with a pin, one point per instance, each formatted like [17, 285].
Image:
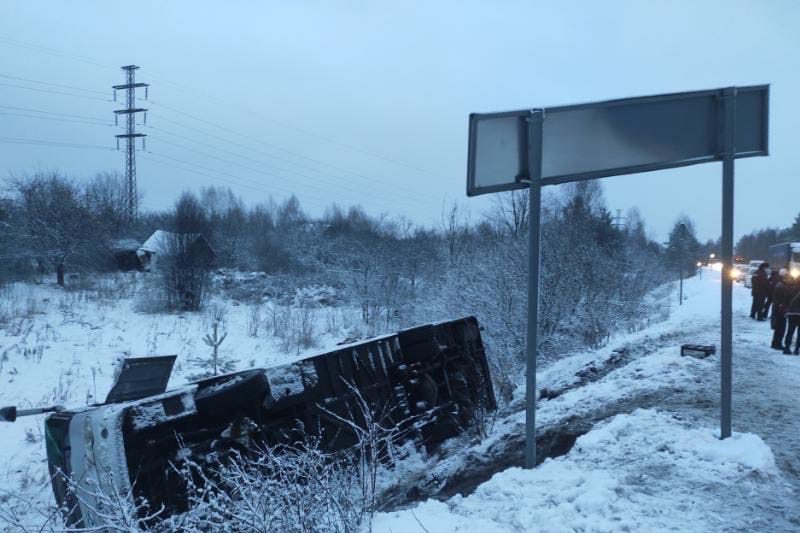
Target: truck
[429, 382]
[785, 255]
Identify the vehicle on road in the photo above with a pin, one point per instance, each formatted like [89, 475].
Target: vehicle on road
[740, 272]
[786, 255]
[430, 382]
[752, 266]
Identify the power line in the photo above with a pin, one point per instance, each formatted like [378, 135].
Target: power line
[240, 182]
[61, 85]
[321, 200]
[58, 53]
[39, 142]
[29, 109]
[365, 180]
[298, 129]
[58, 119]
[314, 183]
[87, 97]
[370, 180]
[52, 51]
[257, 186]
[85, 59]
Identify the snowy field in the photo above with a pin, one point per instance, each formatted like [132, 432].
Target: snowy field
[655, 465]
[61, 347]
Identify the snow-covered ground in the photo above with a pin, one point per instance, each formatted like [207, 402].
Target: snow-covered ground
[656, 469]
[61, 347]
[644, 471]
[654, 464]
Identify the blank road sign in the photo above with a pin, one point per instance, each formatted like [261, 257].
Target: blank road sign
[602, 139]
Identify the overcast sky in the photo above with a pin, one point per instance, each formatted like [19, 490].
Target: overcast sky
[367, 102]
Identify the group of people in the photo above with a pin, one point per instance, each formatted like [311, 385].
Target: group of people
[780, 291]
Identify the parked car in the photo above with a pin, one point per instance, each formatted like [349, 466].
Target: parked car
[752, 266]
[740, 272]
[430, 382]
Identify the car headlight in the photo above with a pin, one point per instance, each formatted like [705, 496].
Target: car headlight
[795, 273]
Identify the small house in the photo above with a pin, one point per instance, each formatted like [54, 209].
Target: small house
[126, 256]
[193, 246]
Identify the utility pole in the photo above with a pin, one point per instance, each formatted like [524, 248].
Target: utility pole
[682, 256]
[131, 192]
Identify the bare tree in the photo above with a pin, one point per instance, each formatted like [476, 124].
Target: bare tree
[58, 226]
[455, 226]
[106, 196]
[191, 216]
[510, 212]
[289, 213]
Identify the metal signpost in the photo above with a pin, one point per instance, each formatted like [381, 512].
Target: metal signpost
[532, 148]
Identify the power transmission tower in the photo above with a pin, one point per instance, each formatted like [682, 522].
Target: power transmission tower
[619, 220]
[131, 192]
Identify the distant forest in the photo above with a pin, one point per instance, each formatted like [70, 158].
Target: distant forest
[755, 244]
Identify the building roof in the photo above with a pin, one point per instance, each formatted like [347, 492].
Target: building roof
[159, 241]
[121, 245]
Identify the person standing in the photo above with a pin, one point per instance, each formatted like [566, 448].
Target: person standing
[792, 316]
[773, 279]
[781, 296]
[760, 291]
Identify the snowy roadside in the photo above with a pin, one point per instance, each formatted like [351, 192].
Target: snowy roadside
[647, 469]
[610, 380]
[644, 471]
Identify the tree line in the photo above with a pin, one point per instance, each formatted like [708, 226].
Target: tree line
[595, 274]
[755, 245]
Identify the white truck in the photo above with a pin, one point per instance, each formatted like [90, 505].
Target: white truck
[785, 255]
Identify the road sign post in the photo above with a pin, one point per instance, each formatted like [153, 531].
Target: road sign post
[534, 178]
[726, 316]
[534, 148]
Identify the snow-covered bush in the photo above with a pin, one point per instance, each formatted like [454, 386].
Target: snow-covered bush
[594, 278]
[179, 277]
[290, 489]
[294, 327]
[18, 302]
[254, 321]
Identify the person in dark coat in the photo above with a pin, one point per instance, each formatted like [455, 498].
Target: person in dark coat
[774, 277]
[792, 316]
[781, 296]
[760, 291]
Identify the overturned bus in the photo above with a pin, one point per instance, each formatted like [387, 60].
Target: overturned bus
[430, 382]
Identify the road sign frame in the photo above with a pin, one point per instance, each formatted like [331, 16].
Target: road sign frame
[530, 153]
[513, 182]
